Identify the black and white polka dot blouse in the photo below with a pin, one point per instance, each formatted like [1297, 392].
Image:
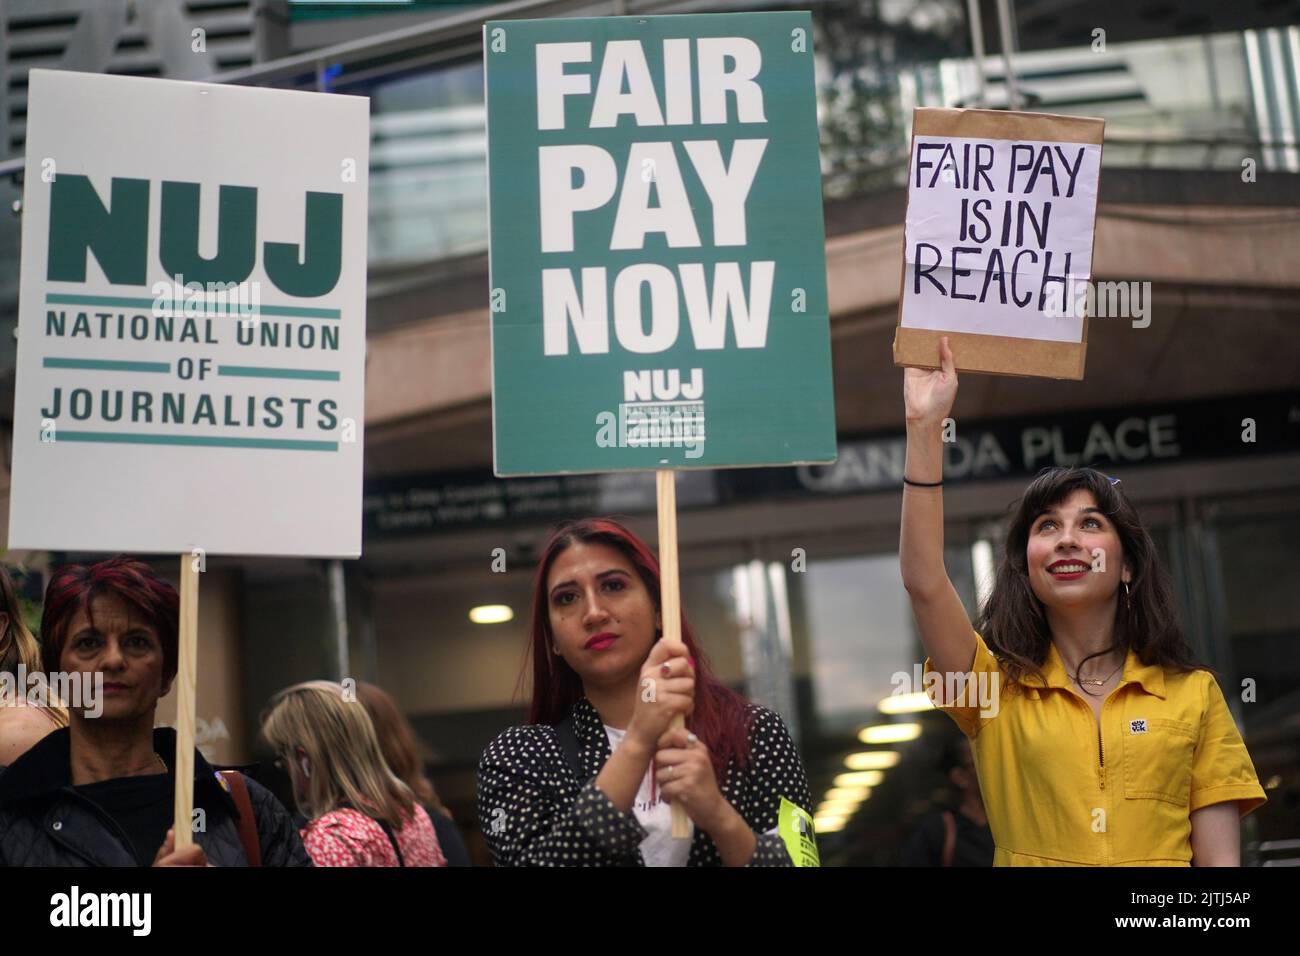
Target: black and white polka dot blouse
[534, 811]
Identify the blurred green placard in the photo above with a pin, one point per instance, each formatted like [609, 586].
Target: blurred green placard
[658, 290]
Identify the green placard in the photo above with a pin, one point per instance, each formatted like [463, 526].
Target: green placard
[658, 287]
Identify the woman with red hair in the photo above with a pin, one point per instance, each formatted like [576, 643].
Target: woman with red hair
[589, 779]
[99, 792]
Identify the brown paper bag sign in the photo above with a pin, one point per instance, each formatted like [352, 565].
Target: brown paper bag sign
[998, 241]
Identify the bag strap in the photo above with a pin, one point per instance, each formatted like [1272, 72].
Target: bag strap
[383, 825]
[949, 838]
[388, 832]
[246, 823]
[569, 744]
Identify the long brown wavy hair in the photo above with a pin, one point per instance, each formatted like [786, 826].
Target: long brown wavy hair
[398, 743]
[1013, 621]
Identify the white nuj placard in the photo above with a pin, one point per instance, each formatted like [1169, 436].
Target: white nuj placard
[999, 236]
[191, 319]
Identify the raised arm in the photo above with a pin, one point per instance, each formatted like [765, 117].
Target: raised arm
[928, 397]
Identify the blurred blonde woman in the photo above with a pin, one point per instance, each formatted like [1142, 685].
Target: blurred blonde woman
[359, 813]
[22, 723]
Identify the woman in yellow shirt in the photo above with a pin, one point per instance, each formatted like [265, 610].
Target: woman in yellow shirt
[1097, 740]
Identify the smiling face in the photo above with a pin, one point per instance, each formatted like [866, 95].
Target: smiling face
[1074, 554]
[602, 618]
[125, 647]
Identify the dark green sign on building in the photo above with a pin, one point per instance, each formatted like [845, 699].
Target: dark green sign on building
[658, 290]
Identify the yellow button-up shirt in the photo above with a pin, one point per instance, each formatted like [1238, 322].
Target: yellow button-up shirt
[1060, 789]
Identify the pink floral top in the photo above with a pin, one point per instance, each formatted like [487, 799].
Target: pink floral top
[346, 837]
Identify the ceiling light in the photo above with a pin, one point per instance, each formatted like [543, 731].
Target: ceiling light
[871, 760]
[889, 733]
[491, 614]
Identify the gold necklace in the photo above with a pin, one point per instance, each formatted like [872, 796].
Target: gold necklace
[1095, 682]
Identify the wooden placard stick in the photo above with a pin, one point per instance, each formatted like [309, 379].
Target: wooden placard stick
[185, 672]
[670, 605]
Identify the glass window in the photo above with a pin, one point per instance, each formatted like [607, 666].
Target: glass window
[860, 631]
[428, 166]
[856, 647]
[1258, 625]
[1262, 607]
[708, 603]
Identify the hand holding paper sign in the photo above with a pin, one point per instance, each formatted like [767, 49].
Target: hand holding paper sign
[928, 394]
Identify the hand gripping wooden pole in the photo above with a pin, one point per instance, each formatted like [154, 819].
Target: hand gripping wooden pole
[670, 605]
[188, 652]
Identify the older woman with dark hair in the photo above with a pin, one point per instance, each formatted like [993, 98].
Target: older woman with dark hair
[100, 791]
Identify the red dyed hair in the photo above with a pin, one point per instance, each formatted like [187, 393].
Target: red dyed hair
[75, 586]
[720, 717]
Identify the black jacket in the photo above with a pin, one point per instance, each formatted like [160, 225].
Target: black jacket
[534, 811]
[449, 839]
[45, 822]
[972, 843]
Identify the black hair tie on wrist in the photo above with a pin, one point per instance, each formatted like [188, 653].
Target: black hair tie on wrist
[922, 484]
